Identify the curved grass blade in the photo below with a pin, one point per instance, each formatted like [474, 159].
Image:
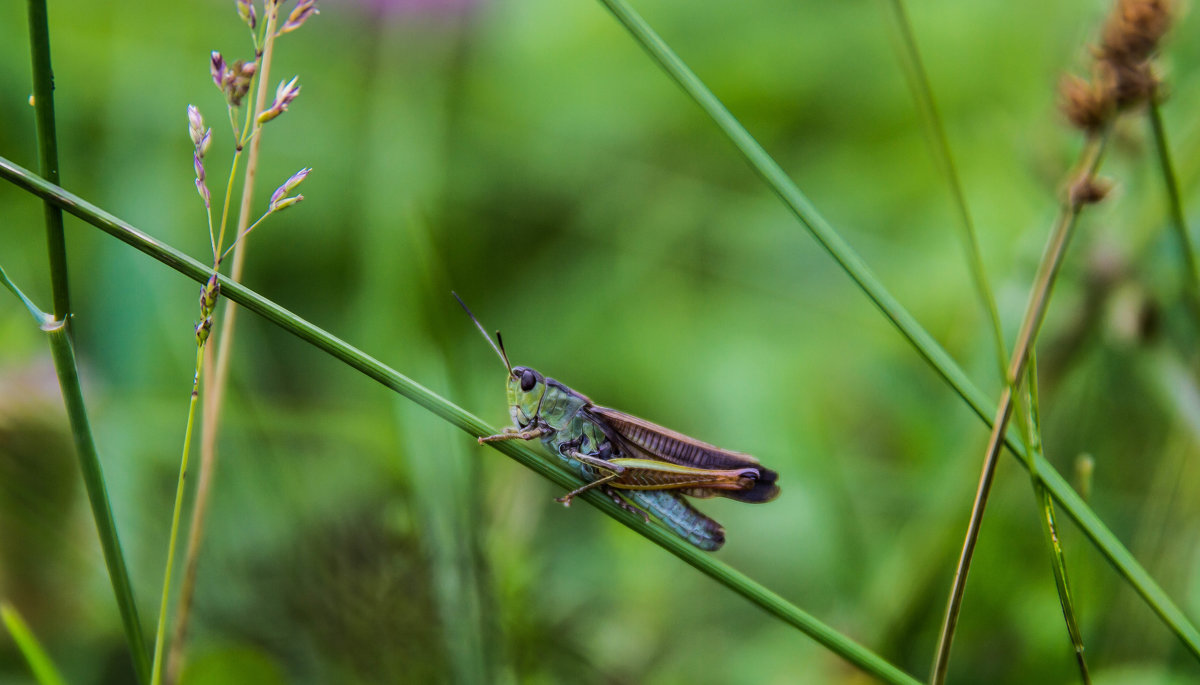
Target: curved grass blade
[924, 344]
[769, 601]
[39, 662]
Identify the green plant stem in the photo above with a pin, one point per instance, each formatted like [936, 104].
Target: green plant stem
[59, 332]
[1031, 426]
[160, 633]
[1035, 312]
[215, 381]
[1029, 422]
[93, 478]
[455, 415]
[47, 138]
[918, 80]
[1076, 508]
[1175, 205]
[42, 319]
[63, 353]
[922, 342]
[39, 662]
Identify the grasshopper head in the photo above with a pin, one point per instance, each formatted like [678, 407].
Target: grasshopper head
[525, 390]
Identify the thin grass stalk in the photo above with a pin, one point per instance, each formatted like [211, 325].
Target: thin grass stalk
[774, 176]
[39, 662]
[160, 634]
[93, 477]
[1035, 311]
[216, 380]
[60, 339]
[200, 505]
[47, 143]
[63, 352]
[1105, 541]
[779, 182]
[918, 80]
[455, 415]
[1031, 424]
[1175, 207]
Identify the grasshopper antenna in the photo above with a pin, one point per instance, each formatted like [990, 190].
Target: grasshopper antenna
[499, 348]
[503, 352]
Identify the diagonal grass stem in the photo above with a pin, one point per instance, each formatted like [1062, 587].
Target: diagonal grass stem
[922, 91]
[39, 662]
[160, 633]
[753, 591]
[1099, 534]
[1175, 207]
[1035, 313]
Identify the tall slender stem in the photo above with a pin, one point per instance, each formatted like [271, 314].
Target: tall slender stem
[215, 381]
[35, 655]
[160, 634]
[1035, 313]
[43, 104]
[1175, 206]
[93, 478]
[60, 340]
[1092, 526]
[1031, 426]
[944, 158]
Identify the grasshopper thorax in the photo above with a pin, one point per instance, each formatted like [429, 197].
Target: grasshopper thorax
[526, 388]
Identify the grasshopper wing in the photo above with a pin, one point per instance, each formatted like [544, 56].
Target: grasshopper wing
[643, 439]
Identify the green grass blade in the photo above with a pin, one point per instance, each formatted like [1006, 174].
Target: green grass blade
[93, 478]
[39, 662]
[1074, 506]
[47, 139]
[89, 464]
[41, 318]
[1175, 205]
[459, 417]
[778, 181]
[1031, 426]
[1031, 322]
[922, 91]
[943, 365]
[60, 336]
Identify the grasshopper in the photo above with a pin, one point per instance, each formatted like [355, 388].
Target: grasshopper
[643, 467]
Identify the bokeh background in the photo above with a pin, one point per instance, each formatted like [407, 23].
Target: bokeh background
[527, 154]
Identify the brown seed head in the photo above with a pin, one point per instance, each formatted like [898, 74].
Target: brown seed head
[1088, 106]
[1088, 191]
[1129, 83]
[1134, 29]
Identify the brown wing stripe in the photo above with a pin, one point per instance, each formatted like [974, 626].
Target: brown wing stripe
[639, 437]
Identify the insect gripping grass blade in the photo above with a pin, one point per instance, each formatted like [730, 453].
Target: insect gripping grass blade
[646, 468]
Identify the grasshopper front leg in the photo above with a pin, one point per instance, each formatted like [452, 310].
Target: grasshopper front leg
[511, 433]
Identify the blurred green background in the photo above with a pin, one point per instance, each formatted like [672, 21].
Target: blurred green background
[529, 155]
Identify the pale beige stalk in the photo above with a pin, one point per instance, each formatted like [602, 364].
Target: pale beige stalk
[216, 380]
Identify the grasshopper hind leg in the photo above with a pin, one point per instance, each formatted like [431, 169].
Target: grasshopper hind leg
[565, 500]
[612, 492]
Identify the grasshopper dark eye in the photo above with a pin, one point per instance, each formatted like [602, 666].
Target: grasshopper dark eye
[528, 380]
